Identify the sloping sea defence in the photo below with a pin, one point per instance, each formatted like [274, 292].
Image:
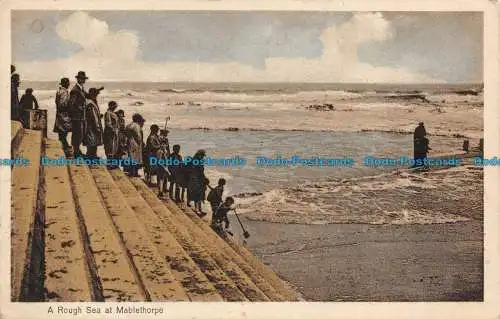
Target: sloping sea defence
[84, 233]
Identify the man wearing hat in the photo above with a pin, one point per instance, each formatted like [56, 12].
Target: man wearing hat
[62, 124]
[77, 103]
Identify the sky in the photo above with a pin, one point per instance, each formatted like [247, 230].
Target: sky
[165, 46]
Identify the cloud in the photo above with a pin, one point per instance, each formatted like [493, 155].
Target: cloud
[108, 55]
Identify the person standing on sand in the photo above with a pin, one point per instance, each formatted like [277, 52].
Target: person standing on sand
[418, 135]
[111, 132]
[77, 104]
[62, 124]
[196, 184]
[135, 142]
[92, 137]
[14, 97]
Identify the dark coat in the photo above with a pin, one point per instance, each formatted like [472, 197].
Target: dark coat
[63, 121]
[15, 112]
[419, 132]
[196, 184]
[77, 103]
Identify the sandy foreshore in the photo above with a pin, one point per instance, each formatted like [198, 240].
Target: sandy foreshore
[395, 237]
[359, 262]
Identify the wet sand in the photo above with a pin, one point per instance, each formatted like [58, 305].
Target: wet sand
[359, 262]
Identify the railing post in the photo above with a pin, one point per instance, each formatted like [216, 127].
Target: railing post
[36, 120]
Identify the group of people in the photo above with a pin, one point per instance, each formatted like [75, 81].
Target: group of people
[185, 179]
[77, 111]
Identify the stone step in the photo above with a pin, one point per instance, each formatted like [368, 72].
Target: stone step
[224, 258]
[196, 284]
[66, 276]
[113, 271]
[155, 275]
[24, 193]
[248, 258]
[199, 254]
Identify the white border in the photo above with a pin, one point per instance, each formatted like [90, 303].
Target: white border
[490, 308]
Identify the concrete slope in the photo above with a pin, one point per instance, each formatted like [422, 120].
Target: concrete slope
[248, 279]
[66, 276]
[24, 193]
[224, 285]
[113, 274]
[248, 258]
[91, 234]
[155, 275]
[196, 284]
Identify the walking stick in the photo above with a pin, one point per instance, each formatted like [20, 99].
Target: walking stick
[245, 233]
[166, 121]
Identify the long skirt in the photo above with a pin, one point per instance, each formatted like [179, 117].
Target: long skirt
[62, 123]
[196, 188]
[111, 142]
[135, 151]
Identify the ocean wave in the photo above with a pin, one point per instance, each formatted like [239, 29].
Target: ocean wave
[399, 198]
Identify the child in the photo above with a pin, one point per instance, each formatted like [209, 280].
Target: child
[220, 216]
[215, 195]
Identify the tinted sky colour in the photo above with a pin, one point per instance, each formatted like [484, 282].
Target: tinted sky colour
[427, 47]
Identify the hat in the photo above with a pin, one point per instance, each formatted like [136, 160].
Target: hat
[81, 75]
[421, 123]
[94, 91]
[138, 118]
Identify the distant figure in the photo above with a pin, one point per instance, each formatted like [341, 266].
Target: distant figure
[215, 194]
[15, 112]
[111, 138]
[93, 126]
[422, 151]
[419, 133]
[196, 184]
[177, 176]
[151, 150]
[62, 123]
[77, 105]
[28, 101]
[135, 142]
[220, 216]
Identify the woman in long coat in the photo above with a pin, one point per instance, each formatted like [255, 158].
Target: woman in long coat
[93, 126]
[62, 123]
[111, 131]
[196, 184]
[135, 142]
